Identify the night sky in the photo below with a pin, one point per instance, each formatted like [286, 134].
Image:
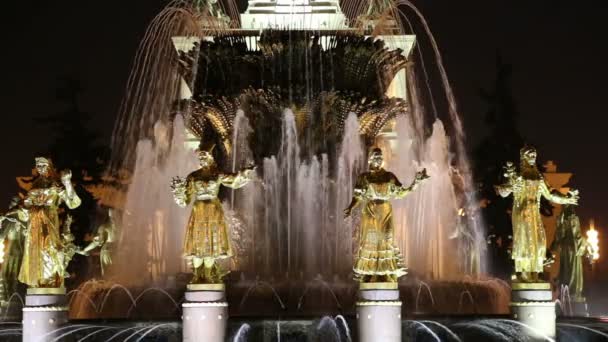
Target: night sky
[557, 49]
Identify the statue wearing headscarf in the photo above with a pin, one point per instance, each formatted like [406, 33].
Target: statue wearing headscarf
[572, 247]
[378, 258]
[43, 258]
[529, 240]
[207, 238]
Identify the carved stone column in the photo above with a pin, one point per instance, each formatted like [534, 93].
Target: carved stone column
[205, 313]
[45, 311]
[379, 312]
[532, 304]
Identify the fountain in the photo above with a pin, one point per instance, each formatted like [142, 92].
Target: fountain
[304, 96]
[318, 95]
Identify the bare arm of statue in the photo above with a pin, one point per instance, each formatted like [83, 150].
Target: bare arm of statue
[239, 179]
[182, 190]
[557, 197]
[97, 242]
[68, 195]
[358, 194]
[506, 189]
[403, 191]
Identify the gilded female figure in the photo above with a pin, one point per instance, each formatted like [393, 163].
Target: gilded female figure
[529, 240]
[106, 236]
[378, 258]
[12, 227]
[43, 259]
[207, 238]
[572, 247]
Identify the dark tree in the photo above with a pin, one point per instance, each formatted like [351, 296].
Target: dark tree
[501, 144]
[75, 145]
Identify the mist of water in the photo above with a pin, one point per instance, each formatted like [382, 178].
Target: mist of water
[153, 226]
[425, 218]
[300, 226]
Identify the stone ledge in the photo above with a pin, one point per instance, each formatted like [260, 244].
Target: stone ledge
[205, 305]
[380, 303]
[206, 287]
[530, 286]
[45, 308]
[378, 286]
[46, 291]
[532, 304]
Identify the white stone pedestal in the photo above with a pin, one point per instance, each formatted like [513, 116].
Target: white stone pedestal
[45, 311]
[205, 313]
[533, 305]
[379, 312]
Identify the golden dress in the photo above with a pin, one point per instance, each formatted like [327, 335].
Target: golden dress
[12, 225]
[42, 263]
[105, 238]
[378, 255]
[207, 234]
[529, 240]
[572, 247]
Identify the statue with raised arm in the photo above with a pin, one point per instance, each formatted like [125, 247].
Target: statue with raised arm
[378, 258]
[572, 248]
[207, 238]
[12, 229]
[69, 248]
[42, 264]
[106, 236]
[468, 244]
[529, 241]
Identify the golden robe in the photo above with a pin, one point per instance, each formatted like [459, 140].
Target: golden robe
[572, 247]
[378, 254]
[43, 262]
[529, 240]
[207, 234]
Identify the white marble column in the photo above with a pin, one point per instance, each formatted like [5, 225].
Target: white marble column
[45, 311]
[205, 313]
[532, 304]
[379, 312]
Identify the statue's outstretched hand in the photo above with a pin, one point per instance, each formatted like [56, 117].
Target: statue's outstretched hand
[509, 170]
[178, 184]
[249, 170]
[421, 176]
[573, 197]
[66, 176]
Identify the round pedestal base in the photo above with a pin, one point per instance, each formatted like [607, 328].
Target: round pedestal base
[205, 313]
[532, 305]
[44, 312]
[379, 313]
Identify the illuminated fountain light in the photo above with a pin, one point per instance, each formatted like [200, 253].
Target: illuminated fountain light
[593, 241]
[1, 251]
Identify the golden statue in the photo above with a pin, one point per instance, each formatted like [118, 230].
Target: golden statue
[69, 248]
[106, 236]
[43, 259]
[12, 226]
[378, 258]
[572, 247]
[529, 240]
[207, 238]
